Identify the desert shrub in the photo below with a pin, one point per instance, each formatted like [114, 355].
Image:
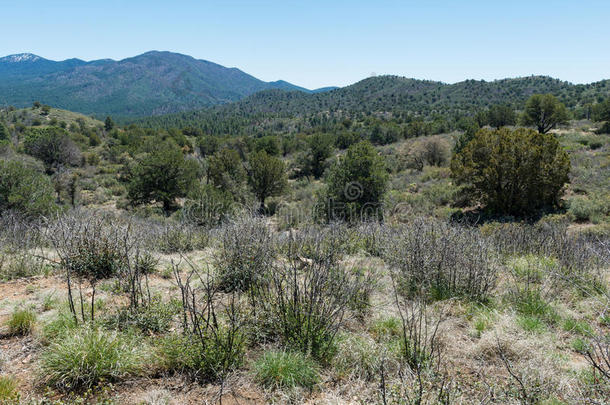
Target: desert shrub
[286, 370]
[309, 293]
[21, 322]
[512, 172]
[208, 206]
[174, 237]
[440, 260]
[245, 255]
[25, 190]
[212, 340]
[88, 356]
[202, 360]
[433, 152]
[98, 247]
[419, 343]
[8, 391]
[363, 358]
[585, 209]
[90, 249]
[577, 263]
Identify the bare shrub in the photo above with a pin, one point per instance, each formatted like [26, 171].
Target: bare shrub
[440, 260]
[580, 263]
[309, 293]
[245, 254]
[597, 354]
[432, 151]
[21, 247]
[97, 247]
[212, 343]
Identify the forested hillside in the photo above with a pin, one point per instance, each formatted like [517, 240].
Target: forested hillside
[392, 95]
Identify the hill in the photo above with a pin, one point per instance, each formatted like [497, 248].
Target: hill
[390, 94]
[52, 117]
[149, 84]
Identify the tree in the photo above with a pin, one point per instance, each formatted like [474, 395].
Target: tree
[267, 176]
[512, 172]
[53, 146]
[226, 171]
[25, 189]
[162, 176]
[4, 133]
[544, 112]
[108, 124]
[269, 144]
[356, 185]
[208, 145]
[320, 148]
[601, 113]
[500, 116]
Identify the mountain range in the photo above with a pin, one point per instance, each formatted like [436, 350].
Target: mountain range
[161, 83]
[149, 84]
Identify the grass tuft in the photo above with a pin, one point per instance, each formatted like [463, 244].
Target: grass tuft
[88, 356]
[22, 322]
[286, 370]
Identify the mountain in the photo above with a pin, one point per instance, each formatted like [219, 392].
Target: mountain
[149, 84]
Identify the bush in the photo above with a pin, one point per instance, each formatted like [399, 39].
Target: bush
[355, 186]
[155, 317]
[286, 370]
[53, 146]
[245, 255]
[25, 190]
[440, 260]
[88, 356]
[204, 360]
[22, 322]
[512, 172]
[309, 293]
[207, 205]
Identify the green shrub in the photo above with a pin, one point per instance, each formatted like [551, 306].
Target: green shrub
[154, 317]
[512, 172]
[286, 370]
[355, 186]
[88, 356]
[24, 189]
[21, 322]
[8, 391]
[202, 361]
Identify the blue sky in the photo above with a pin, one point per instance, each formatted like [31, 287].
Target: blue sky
[318, 43]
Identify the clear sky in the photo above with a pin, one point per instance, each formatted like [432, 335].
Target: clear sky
[318, 43]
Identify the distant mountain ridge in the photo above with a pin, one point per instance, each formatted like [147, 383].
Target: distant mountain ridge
[149, 84]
